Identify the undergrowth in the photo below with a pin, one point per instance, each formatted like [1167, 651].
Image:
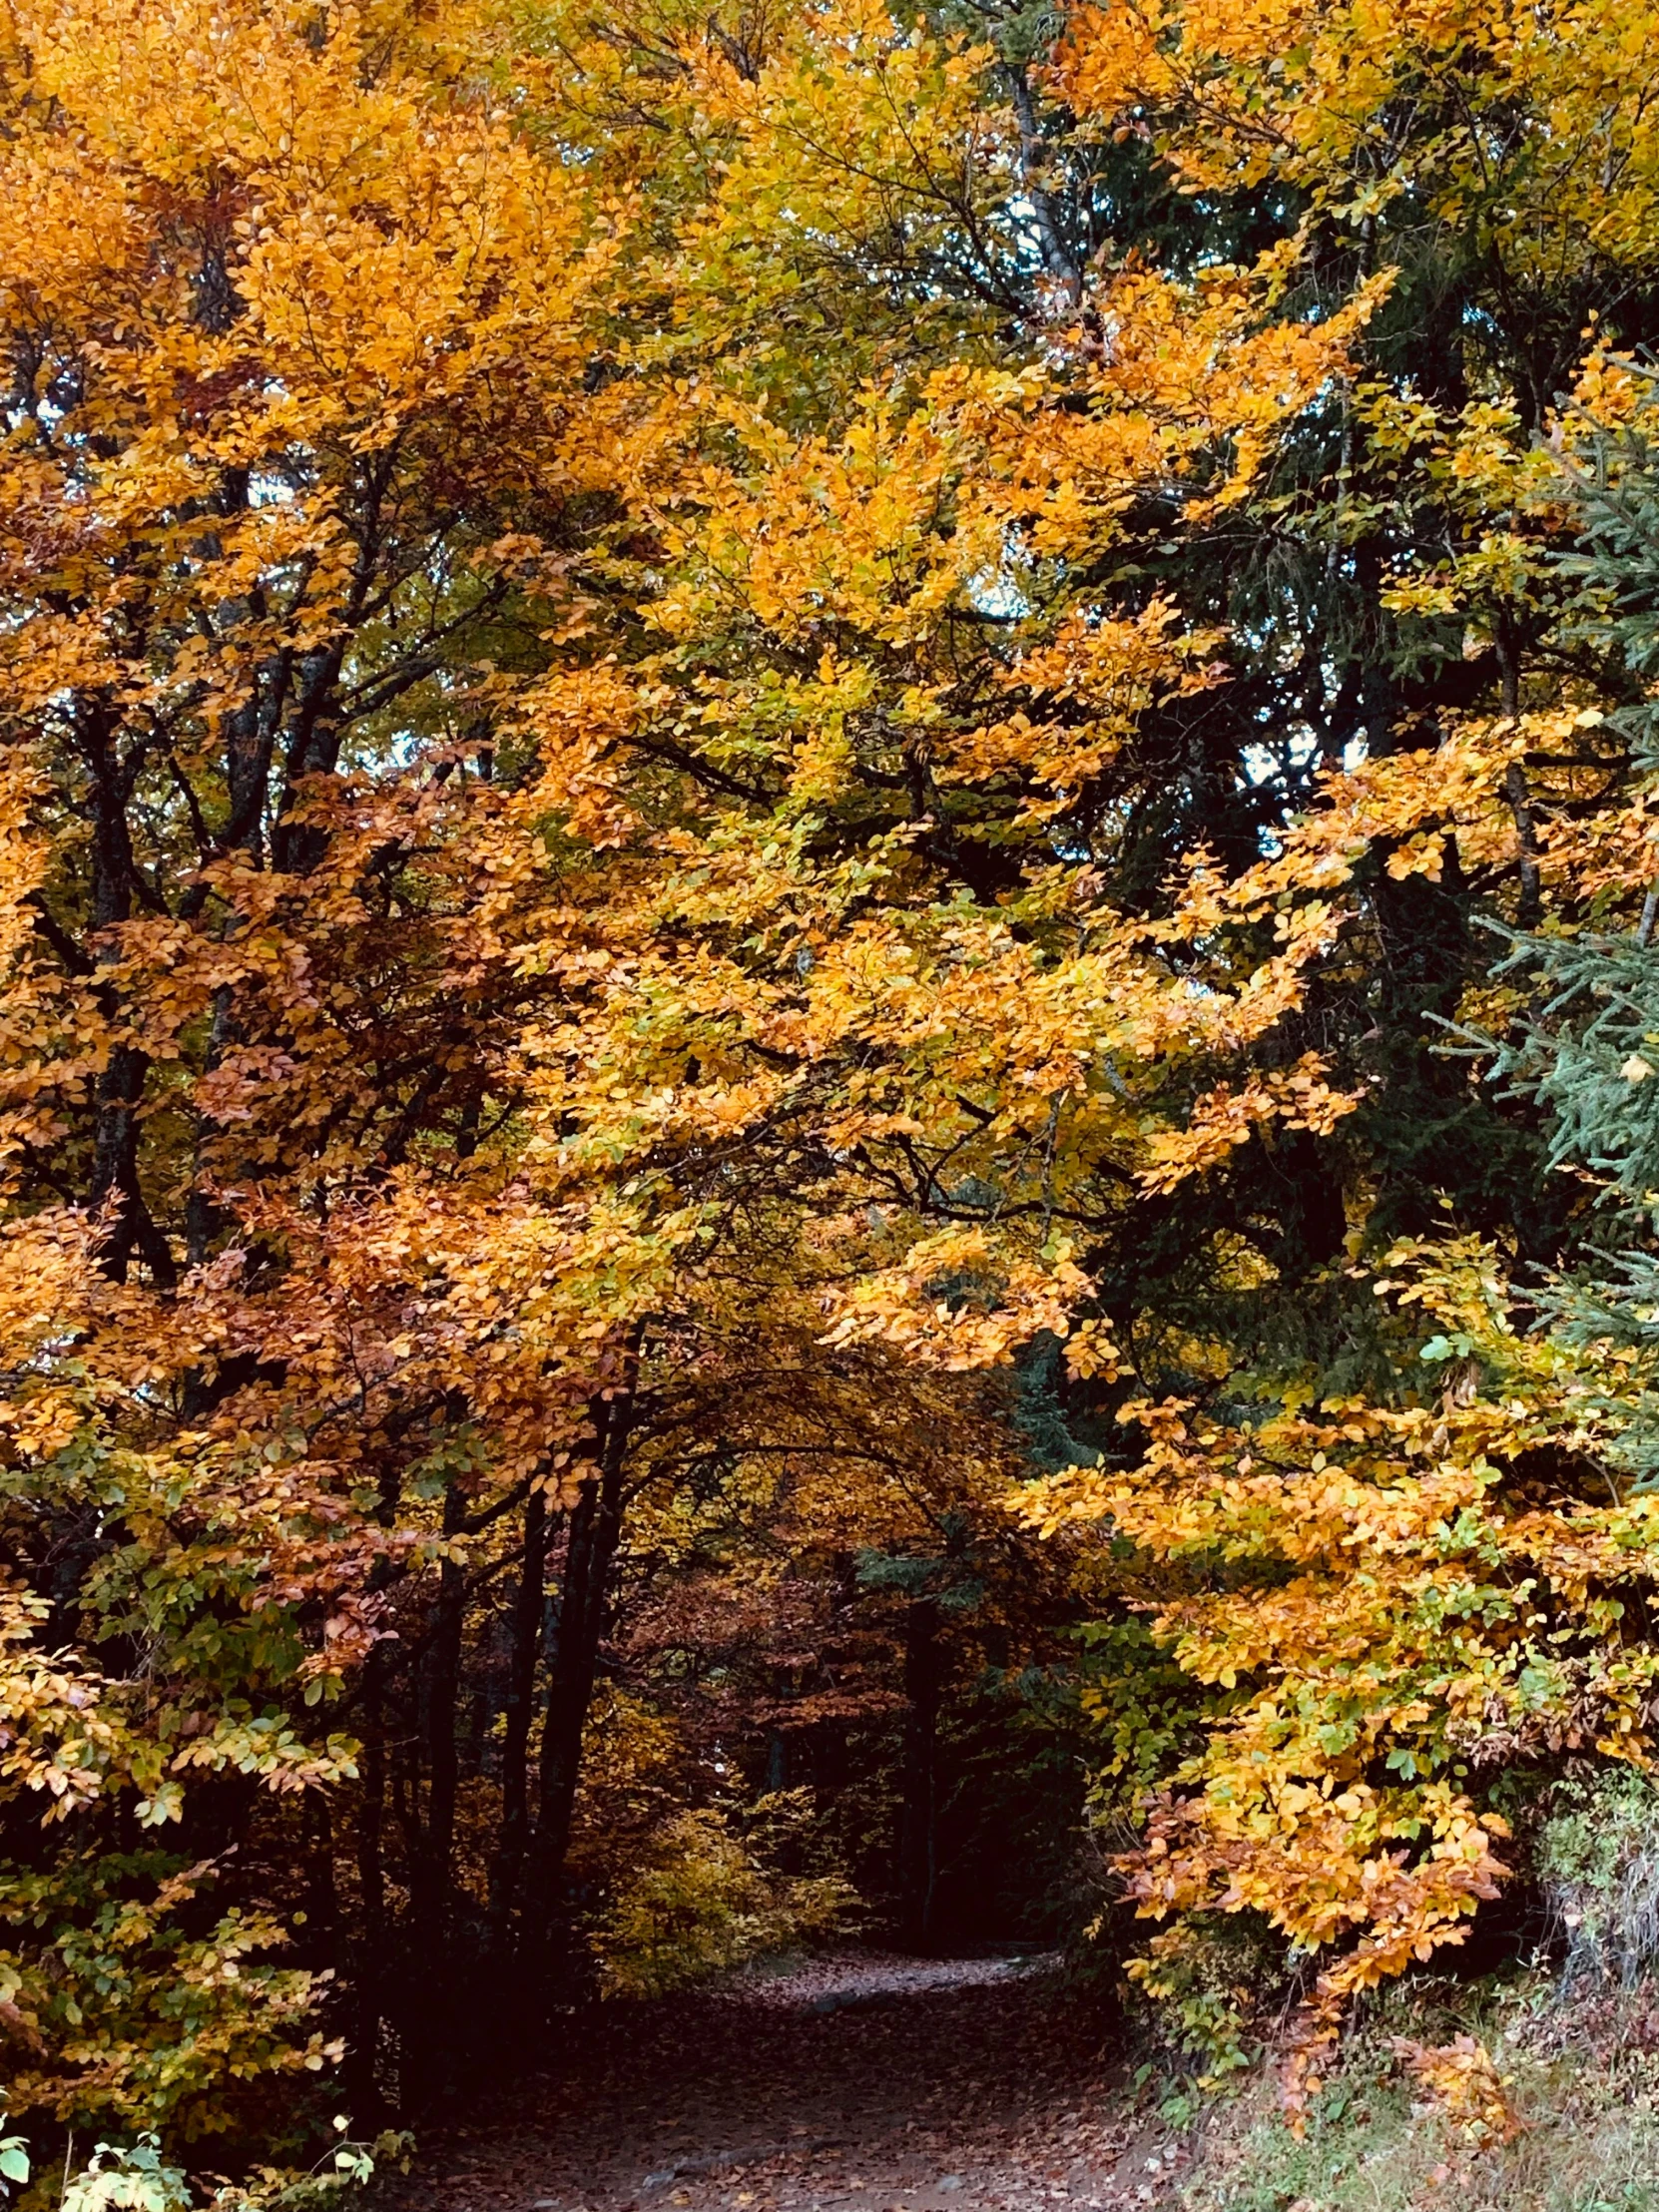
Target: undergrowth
[1532, 2092]
[1586, 2138]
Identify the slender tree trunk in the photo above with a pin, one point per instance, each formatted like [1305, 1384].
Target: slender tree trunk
[200, 1215]
[507, 1874]
[114, 1178]
[443, 1678]
[595, 1525]
[372, 1881]
[919, 1818]
[428, 2023]
[373, 1992]
[595, 1531]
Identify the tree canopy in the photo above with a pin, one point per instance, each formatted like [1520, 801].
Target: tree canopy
[827, 879]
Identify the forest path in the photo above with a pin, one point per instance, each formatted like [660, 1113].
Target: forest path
[858, 2083]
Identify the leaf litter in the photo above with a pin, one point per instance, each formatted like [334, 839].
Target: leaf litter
[860, 2081]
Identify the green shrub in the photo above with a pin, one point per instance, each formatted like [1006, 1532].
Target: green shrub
[1598, 1859]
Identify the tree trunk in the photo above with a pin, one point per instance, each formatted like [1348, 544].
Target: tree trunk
[443, 1677]
[362, 2057]
[507, 1874]
[427, 2025]
[919, 1818]
[595, 1531]
[373, 1961]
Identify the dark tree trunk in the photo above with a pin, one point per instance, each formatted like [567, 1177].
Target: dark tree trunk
[595, 1531]
[372, 1881]
[115, 1176]
[427, 2027]
[507, 1874]
[373, 1992]
[443, 1677]
[919, 1817]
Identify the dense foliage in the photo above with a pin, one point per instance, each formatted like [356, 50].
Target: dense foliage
[827, 874]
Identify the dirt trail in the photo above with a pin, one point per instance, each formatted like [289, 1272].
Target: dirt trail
[860, 2083]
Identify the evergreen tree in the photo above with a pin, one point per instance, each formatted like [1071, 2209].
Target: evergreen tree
[1588, 1053]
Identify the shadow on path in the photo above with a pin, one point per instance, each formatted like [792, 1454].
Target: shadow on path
[858, 2084]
